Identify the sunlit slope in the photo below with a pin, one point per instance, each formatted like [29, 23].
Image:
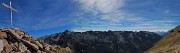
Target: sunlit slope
[168, 44]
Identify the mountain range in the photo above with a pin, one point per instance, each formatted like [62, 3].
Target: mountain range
[104, 41]
[13, 40]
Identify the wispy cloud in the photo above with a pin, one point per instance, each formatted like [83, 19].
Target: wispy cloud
[164, 21]
[104, 9]
[101, 6]
[111, 15]
[94, 14]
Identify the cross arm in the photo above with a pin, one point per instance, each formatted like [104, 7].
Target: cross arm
[9, 7]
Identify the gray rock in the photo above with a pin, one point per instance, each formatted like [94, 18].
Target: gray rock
[31, 44]
[37, 43]
[38, 51]
[13, 34]
[1, 45]
[3, 35]
[22, 47]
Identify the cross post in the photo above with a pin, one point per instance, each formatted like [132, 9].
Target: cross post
[10, 7]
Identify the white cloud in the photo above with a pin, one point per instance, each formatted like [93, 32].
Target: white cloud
[112, 16]
[101, 6]
[105, 9]
[135, 19]
[167, 11]
[164, 21]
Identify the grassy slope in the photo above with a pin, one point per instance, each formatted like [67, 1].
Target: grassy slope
[166, 43]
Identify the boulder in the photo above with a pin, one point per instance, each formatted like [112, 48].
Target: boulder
[15, 48]
[30, 44]
[1, 45]
[3, 51]
[38, 44]
[15, 44]
[22, 47]
[38, 51]
[26, 38]
[19, 32]
[13, 34]
[5, 43]
[3, 35]
[32, 40]
[47, 49]
[8, 48]
[4, 29]
[27, 51]
[43, 52]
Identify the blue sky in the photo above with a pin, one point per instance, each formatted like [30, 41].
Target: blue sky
[40, 17]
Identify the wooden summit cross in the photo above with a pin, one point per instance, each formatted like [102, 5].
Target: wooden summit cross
[10, 7]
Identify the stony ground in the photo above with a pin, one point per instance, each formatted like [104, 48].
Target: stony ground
[15, 40]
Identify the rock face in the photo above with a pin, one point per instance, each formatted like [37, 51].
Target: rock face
[168, 44]
[17, 41]
[104, 41]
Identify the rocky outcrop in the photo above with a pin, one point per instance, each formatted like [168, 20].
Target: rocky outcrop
[104, 41]
[17, 41]
[168, 44]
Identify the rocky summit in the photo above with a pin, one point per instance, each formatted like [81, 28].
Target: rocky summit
[168, 44]
[13, 40]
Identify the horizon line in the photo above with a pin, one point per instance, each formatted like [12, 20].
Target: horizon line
[121, 30]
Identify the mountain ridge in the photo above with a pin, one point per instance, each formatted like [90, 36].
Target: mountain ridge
[104, 41]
